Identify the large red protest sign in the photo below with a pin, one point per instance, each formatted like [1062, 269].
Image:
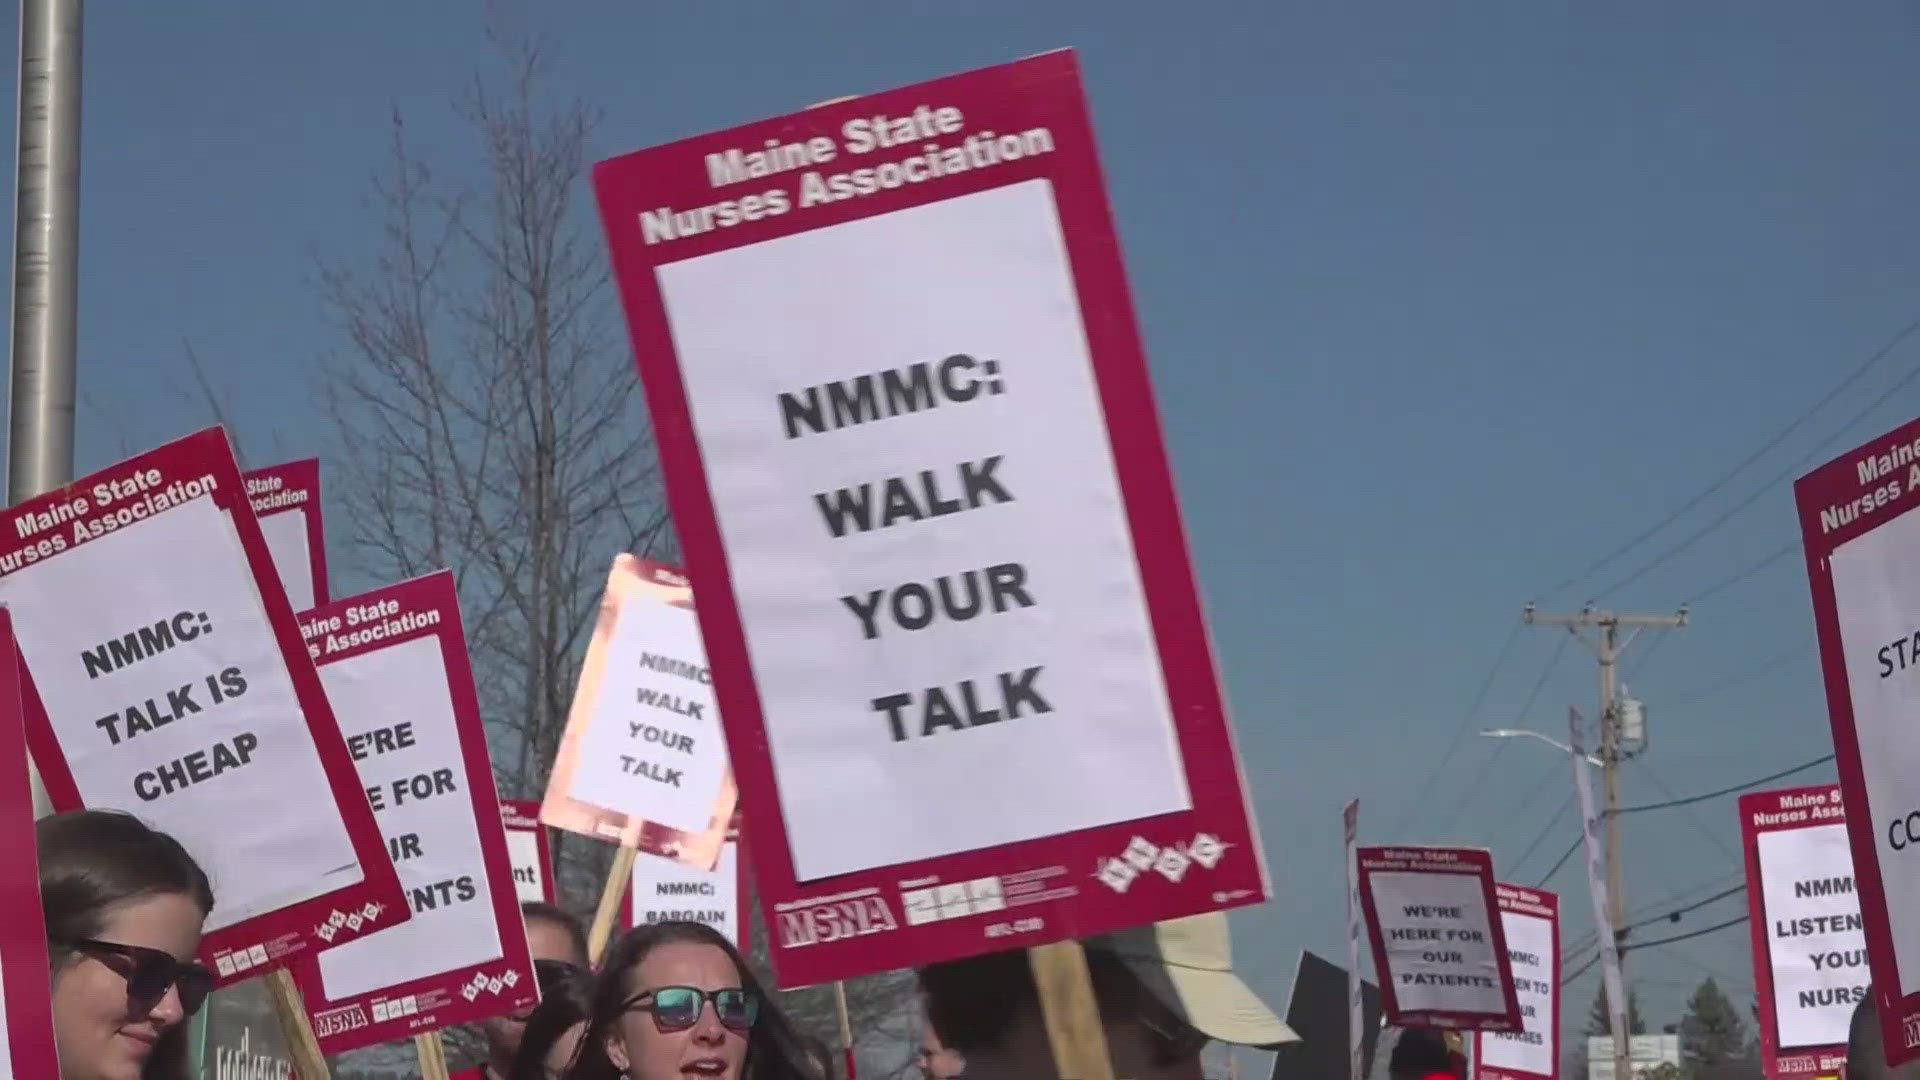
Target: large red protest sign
[914, 460]
[643, 761]
[1809, 951]
[1438, 941]
[26, 1035]
[529, 848]
[286, 499]
[1863, 566]
[1530, 918]
[394, 662]
[165, 676]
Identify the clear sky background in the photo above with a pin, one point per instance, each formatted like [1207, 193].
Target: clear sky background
[1445, 302]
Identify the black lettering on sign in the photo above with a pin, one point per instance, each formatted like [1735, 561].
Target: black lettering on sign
[197, 767]
[1426, 911]
[916, 498]
[1839, 959]
[886, 394]
[936, 710]
[669, 666]
[403, 847]
[954, 597]
[526, 875]
[381, 741]
[1832, 995]
[1833, 886]
[672, 740]
[421, 786]
[1412, 933]
[441, 893]
[673, 703]
[659, 774]
[683, 888]
[148, 641]
[136, 720]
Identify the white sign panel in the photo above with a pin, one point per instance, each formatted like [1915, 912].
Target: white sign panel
[397, 714]
[666, 890]
[654, 745]
[849, 443]
[1441, 950]
[1876, 585]
[1814, 937]
[1529, 918]
[286, 536]
[189, 695]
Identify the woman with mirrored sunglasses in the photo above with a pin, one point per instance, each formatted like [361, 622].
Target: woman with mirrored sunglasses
[125, 905]
[675, 1000]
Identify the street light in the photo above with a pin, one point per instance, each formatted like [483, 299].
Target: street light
[1518, 733]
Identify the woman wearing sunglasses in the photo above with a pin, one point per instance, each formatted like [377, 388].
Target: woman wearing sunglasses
[675, 1000]
[124, 906]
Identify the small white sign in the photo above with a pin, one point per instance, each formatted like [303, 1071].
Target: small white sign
[1533, 951]
[529, 879]
[397, 714]
[1815, 942]
[666, 890]
[931, 559]
[286, 536]
[654, 747]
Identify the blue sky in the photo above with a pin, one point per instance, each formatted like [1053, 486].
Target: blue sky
[1444, 302]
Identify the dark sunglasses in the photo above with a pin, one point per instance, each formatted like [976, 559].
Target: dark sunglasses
[677, 1008]
[150, 973]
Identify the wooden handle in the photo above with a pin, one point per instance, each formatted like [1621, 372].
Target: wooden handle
[291, 1009]
[1072, 1015]
[433, 1055]
[619, 880]
[846, 1025]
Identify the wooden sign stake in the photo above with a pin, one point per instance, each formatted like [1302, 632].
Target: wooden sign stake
[1072, 1015]
[291, 1008]
[619, 880]
[433, 1055]
[846, 1025]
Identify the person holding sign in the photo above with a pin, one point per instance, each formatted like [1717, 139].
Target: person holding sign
[1164, 992]
[125, 905]
[676, 999]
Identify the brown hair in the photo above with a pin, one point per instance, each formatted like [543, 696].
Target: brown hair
[92, 861]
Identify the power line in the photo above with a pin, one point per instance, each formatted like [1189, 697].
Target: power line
[1787, 473]
[1670, 916]
[1750, 459]
[1571, 848]
[1474, 786]
[1764, 666]
[1714, 929]
[1712, 837]
[1579, 971]
[1691, 799]
[1545, 830]
[1729, 582]
[1459, 733]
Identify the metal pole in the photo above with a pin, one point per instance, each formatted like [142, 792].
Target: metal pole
[46, 255]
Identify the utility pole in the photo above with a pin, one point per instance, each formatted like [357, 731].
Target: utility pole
[1607, 645]
[46, 256]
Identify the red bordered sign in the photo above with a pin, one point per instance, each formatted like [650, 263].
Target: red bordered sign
[1862, 543]
[530, 849]
[395, 660]
[914, 460]
[1809, 952]
[166, 677]
[1441, 952]
[668, 889]
[1530, 918]
[24, 996]
[286, 499]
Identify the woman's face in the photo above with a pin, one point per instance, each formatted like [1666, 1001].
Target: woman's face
[560, 1054]
[709, 1049]
[97, 1036]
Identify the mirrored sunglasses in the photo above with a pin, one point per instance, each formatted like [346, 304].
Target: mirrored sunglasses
[677, 1008]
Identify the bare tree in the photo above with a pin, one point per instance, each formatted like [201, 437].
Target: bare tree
[488, 416]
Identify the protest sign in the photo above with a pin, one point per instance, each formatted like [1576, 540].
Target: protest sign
[26, 1033]
[1809, 953]
[395, 664]
[1861, 545]
[165, 676]
[1531, 920]
[666, 890]
[286, 499]
[1440, 950]
[924, 497]
[643, 760]
[528, 848]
